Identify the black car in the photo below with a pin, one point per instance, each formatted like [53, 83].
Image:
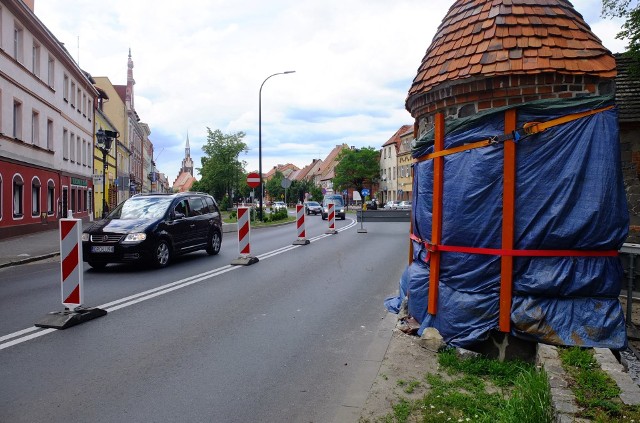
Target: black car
[312, 207]
[153, 228]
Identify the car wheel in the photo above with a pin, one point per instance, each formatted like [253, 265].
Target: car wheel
[97, 265]
[215, 241]
[161, 254]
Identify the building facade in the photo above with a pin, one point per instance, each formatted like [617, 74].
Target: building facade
[47, 126]
[405, 174]
[105, 165]
[389, 166]
[113, 107]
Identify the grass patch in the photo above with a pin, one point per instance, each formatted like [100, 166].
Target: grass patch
[596, 393]
[478, 390]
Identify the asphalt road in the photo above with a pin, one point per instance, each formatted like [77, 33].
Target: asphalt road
[203, 341]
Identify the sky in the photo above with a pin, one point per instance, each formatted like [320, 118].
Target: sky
[201, 66]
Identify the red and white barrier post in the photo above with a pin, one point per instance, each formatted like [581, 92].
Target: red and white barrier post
[302, 235]
[331, 217]
[244, 239]
[72, 280]
[71, 274]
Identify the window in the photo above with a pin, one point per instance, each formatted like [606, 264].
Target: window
[51, 69]
[17, 119]
[18, 35]
[35, 131]
[65, 87]
[196, 206]
[78, 150]
[84, 153]
[85, 202]
[73, 199]
[18, 196]
[65, 144]
[89, 108]
[79, 97]
[73, 94]
[35, 197]
[72, 148]
[84, 104]
[51, 197]
[49, 135]
[35, 59]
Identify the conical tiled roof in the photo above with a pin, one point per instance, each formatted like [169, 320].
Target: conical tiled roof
[481, 38]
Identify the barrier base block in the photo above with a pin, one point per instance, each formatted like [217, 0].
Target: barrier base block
[245, 261]
[362, 231]
[331, 232]
[301, 241]
[66, 319]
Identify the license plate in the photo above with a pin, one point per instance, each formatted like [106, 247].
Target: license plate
[102, 249]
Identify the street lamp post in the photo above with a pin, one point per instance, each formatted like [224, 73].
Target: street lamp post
[104, 140]
[260, 135]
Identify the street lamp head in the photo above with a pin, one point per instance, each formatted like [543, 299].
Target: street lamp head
[105, 138]
[285, 72]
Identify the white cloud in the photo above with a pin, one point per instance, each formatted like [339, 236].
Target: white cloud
[200, 64]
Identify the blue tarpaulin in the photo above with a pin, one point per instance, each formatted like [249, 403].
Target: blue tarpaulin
[569, 196]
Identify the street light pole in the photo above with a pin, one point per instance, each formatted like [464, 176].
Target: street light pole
[260, 135]
[104, 140]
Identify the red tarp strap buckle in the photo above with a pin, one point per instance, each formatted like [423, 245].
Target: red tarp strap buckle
[429, 247]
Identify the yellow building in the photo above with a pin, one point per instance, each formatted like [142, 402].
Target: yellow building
[104, 177]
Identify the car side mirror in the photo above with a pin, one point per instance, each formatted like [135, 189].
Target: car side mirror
[178, 215]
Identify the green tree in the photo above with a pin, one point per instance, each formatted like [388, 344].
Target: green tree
[222, 171]
[629, 10]
[274, 188]
[357, 167]
[299, 189]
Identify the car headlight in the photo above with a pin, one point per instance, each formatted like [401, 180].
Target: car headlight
[135, 237]
[85, 237]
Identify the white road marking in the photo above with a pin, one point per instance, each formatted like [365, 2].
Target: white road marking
[152, 293]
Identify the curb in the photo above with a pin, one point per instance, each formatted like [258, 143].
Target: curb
[563, 400]
[28, 260]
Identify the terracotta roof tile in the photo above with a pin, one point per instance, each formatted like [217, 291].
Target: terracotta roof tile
[482, 37]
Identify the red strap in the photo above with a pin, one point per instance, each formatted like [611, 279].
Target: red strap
[516, 253]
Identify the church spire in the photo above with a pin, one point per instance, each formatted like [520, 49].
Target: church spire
[130, 82]
[187, 162]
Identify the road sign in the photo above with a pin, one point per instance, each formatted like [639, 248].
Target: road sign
[253, 180]
[285, 183]
[365, 191]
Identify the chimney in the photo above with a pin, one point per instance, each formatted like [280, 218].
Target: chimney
[30, 4]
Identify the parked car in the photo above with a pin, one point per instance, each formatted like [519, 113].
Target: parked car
[338, 208]
[372, 205]
[404, 205]
[154, 228]
[312, 207]
[278, 205]
[392, 205]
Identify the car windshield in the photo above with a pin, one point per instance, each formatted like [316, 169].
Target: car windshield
[141, 208]
[312, 203]
[337, 200]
